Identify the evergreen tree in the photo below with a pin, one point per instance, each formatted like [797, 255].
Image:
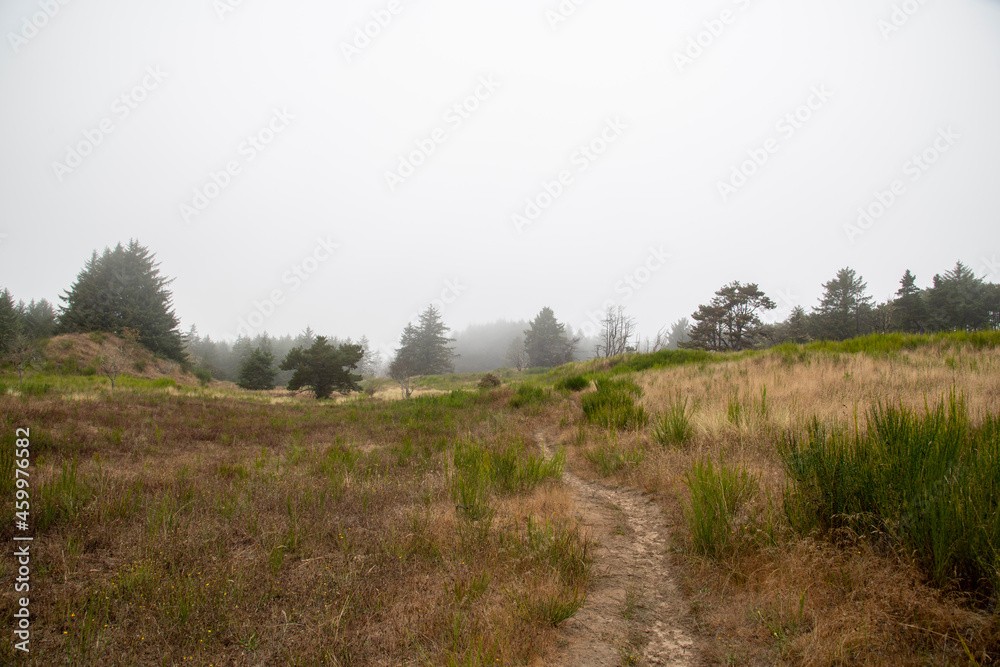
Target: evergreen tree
[324, 368]
[123, 289]
[958, 301]
[546, 341]
[38, 319]
[795, 329]
[731, 321]
[909, 309]
[257, 371]
[844, 309]
[10, 321]
[680, 332]
[424, 349]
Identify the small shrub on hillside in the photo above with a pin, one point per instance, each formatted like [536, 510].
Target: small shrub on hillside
[574, 383]
[139, 365]
[203, 375]
[673, 427]
[528, 394]
[614, 405]
[927, 483]
[489, 381]
[717, 498]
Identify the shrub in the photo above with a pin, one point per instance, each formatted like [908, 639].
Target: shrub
[574, 383]
[139, 365]
[927, 483]
[203, 375]
[528, 394]
[614, 405]
[717, 496]
[673, 427]
[489, 381]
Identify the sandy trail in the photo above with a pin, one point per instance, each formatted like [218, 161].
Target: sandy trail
[634, 613]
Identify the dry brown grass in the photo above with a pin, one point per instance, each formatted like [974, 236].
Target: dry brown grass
[206, 528]
[859, 605]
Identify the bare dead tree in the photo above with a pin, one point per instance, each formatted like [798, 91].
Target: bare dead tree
[401, 370]
[517, 354]
[115, 354]
[662, 340]
[22, 352]
[616, 334]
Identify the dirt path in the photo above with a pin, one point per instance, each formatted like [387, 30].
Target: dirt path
[633, 611]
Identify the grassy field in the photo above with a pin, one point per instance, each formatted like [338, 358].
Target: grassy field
[174, 524]
[829, 504]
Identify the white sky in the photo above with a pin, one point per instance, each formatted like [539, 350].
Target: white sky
[448, 227]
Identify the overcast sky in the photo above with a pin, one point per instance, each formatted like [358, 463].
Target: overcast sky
[343, 165]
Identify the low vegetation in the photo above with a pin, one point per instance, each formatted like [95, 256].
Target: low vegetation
[828, 504]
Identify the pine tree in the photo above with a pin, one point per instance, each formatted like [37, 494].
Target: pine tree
[844, 308]
[257, 371]
[38, 319]
[123, 289]
[10, 321]
[731, 321]
[324, 368]
[424, 349]
[546, 341]
[909, 308]
[958, 301]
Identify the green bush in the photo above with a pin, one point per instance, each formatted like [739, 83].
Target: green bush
[673, 427]
[574, 383]
[614, 405]
[927, 483]
[717, 497]
[528, 394]
[489, 381]
[203, 375]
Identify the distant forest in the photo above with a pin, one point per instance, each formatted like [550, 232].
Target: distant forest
[121, 291]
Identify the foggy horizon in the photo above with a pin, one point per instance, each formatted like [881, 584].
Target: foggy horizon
[284, 165]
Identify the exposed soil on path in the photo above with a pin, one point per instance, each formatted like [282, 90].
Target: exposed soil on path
[634, 613]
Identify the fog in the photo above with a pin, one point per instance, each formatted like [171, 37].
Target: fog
[343, 165]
